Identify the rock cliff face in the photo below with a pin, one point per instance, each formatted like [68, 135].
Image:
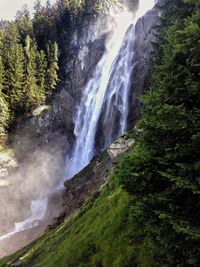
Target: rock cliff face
[146, 35]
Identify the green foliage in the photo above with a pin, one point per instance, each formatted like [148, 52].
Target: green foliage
[97, 235]
[52, 67]
[4, 111]
[24, 24]
[25, 77]
[2, 74]
[41, 66]
[33, 93]
[162, 170]
[14, 77]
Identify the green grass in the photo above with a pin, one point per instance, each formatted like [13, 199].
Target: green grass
[94, 236]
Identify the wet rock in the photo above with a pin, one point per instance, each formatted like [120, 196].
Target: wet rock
[92, 177]
[86, 182]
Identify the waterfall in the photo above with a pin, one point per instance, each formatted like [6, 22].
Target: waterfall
[104, 104]
[106, 94]
[93, 98]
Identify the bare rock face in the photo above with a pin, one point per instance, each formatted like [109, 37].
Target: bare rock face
[146, 35]
[85, 183]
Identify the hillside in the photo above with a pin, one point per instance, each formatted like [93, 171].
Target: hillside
[147, 213]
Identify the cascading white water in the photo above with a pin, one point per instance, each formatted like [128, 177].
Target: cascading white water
[106, 95]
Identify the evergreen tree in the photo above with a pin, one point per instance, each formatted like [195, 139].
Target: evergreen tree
[48, 8]
[24, 24]
[4, 111]
[14, 79]
[37, 8]
[62, 5]
[34, 94]
[10, 37]
[44, 25]
[2, 75]
[2, 72]
[1, 43]
[41, 66]
[52, 67]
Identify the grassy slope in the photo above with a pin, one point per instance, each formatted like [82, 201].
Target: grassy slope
[95, 236]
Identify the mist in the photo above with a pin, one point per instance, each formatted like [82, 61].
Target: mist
[35, 178]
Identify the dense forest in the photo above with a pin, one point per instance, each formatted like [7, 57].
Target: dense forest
[28, 69]
[29, 50]
[148, 214]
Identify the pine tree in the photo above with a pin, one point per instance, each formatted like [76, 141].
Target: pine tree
[37, 8]
[10, 37]
[62, 5]
[2, 74]
[41, 66]
[48, 8]
[24, 24]
[14, 79]
[52, 68]
[4, 114]
[4, 111]
[33, 93]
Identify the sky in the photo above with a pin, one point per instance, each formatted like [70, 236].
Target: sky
[8, 8]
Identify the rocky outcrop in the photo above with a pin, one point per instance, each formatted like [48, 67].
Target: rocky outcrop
[92, 177]
[121, 145]
[89, 180]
